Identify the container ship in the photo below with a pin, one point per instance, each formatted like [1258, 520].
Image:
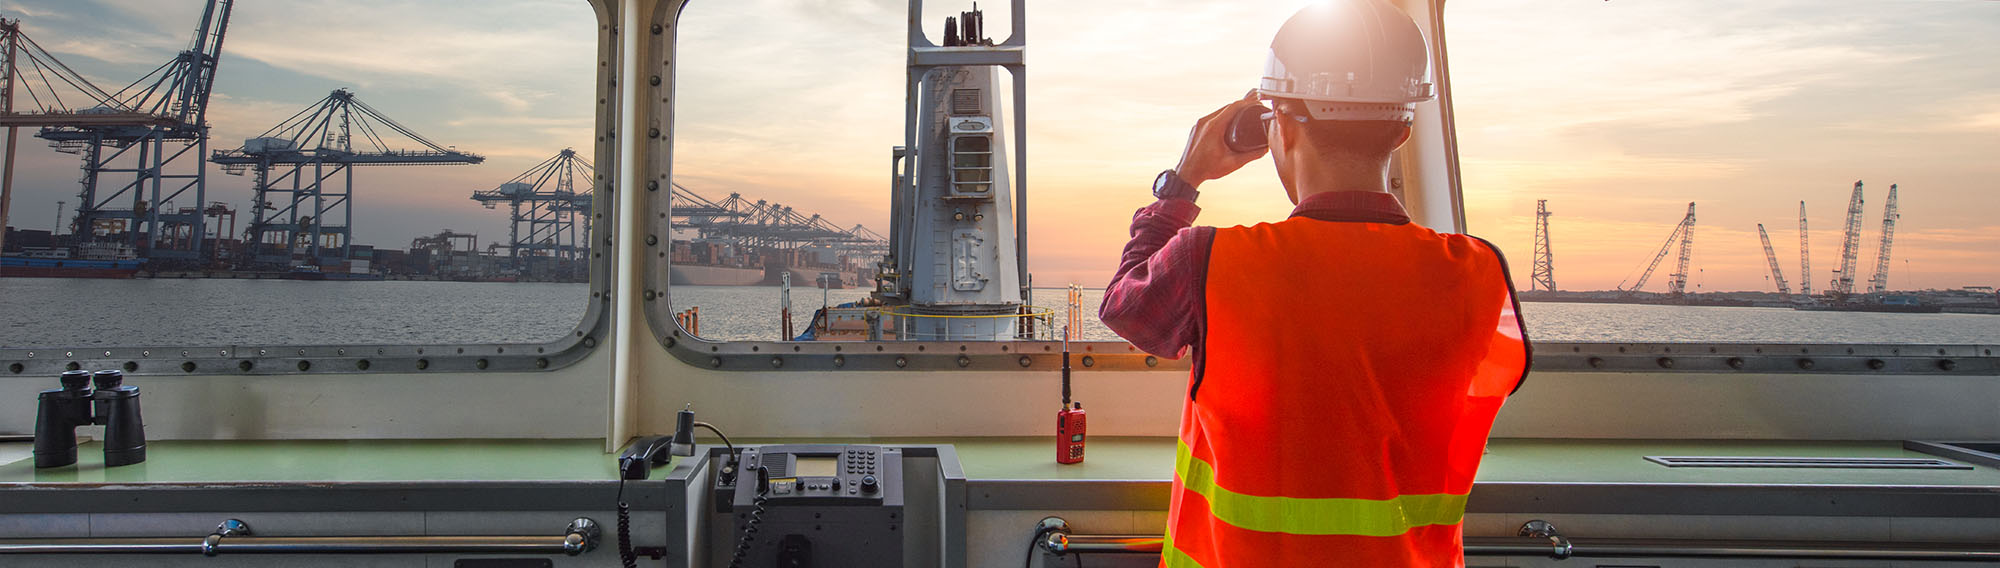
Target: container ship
[817, 266]
[713, 263]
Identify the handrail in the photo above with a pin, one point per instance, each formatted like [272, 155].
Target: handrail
[1544, 541]
[233, 537]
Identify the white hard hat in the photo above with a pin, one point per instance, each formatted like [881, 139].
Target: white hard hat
[1350, 60]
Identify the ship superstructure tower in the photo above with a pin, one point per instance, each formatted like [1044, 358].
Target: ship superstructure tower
[955, 268]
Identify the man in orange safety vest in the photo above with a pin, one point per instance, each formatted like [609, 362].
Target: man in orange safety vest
[1348, 363]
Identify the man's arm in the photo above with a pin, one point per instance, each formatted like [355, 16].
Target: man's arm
[1155, 299]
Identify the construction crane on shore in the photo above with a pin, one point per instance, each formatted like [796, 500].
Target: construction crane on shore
[1772, 257]
[1677, 282]
[291, 224]
[1850, 248]
[1889, 216]
[545, 200]
[158, 123]
[1805, 255]
[1544, 275]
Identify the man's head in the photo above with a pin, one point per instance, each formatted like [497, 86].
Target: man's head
[1344, 78]
[1336, 145]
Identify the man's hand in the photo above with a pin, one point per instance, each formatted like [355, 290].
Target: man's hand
[1208, 155]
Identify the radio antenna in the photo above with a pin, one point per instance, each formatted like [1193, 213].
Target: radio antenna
[1065, 366]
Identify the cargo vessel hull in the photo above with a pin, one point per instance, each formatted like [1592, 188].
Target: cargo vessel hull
[704, 275]
[67, 268]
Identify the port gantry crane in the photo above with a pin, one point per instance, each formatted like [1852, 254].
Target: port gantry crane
[545, 199]
[290, 223]
[1771, 256]
[764, 224]
[1676, 282]
[1544, 275]
[154, 130]
[1889, 216]
[1850, 248]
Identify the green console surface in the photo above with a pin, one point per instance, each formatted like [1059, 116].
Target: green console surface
[223, 461]
[1014, 458]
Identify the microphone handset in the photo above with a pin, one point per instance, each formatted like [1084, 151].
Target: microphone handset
[636, 463]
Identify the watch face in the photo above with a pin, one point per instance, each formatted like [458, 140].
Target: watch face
[1160, 183]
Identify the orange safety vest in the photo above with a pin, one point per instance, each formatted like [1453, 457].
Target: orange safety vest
[1352, 373]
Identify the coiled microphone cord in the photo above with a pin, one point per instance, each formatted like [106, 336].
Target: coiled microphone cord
[749, 538]
[625, 554]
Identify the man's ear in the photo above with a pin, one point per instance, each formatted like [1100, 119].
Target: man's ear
[1284, 133]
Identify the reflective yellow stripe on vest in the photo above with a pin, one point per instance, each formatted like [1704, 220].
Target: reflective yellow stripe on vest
[1328, 516]
[1171, 557]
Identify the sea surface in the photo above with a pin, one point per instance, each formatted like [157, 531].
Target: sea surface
[54, 312]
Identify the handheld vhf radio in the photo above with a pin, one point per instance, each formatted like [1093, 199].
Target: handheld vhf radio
[1070, 420]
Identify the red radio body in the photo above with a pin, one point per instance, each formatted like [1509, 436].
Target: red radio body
[1070, 425]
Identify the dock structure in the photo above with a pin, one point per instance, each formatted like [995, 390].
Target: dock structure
[303, 176]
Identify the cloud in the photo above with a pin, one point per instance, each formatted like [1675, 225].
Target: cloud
[1630, 65]
[373, 42]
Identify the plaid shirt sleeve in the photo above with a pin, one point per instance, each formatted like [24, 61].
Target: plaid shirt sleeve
[1155, 299]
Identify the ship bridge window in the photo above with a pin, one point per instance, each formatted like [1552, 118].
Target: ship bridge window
[774, 185]
[784, 228]
[251, 220]
[1833, 177]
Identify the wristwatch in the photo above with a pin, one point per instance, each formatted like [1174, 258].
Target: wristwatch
[1170, 186]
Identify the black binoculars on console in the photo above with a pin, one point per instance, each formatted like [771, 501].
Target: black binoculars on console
[112, 404]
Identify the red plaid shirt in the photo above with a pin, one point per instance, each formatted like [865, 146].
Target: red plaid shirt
[1157, 299]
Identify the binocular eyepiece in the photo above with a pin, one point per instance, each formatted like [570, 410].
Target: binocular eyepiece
[1246, 130]
[112, 404]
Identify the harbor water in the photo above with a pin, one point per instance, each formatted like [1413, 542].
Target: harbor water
[55, 312]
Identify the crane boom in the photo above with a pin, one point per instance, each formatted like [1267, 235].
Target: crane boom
[1889, 215]
[1850, 249]
[1679, 235]
[1678, 284]
[201, 60]
[1805, 255]
[1772, 257]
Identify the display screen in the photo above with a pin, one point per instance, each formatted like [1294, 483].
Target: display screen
[815, 467]
[1076, 438]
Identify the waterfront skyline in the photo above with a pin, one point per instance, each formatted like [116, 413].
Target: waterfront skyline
[798, 102]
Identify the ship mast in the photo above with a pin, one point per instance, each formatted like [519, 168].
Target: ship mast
[958, 214]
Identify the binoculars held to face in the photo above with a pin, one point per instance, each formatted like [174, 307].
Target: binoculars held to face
[1247, 131]
[112, 404]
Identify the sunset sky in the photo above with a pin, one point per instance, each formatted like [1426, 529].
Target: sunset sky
[1619, 113]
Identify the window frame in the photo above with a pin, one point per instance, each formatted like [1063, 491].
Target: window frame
[990, 356]
[254, 359]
